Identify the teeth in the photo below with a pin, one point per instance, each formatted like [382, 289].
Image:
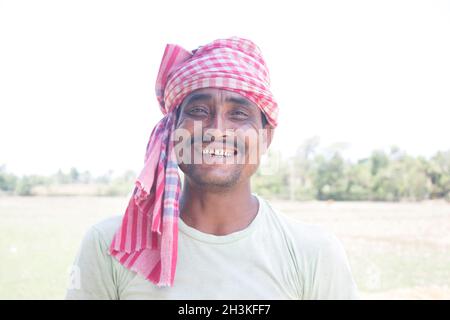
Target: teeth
[217, 152]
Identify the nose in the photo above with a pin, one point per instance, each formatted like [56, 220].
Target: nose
[218, 122]
[217, 127]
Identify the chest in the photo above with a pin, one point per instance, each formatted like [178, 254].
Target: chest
[240, 271]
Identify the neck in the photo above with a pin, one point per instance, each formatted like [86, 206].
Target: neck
[218, 213]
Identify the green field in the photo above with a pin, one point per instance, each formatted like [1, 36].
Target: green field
[396, 250]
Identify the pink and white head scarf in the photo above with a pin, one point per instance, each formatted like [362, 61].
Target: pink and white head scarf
[146, 241]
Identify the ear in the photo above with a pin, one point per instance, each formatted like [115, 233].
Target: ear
[178, 115]
[267, 136]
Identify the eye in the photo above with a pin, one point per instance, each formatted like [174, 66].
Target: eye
[239, 114]
[198, 110]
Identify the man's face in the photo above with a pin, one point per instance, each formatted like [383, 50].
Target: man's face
[225, 137]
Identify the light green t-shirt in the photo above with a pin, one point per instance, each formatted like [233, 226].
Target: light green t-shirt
[275, 257]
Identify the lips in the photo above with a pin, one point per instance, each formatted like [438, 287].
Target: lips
[217, 150]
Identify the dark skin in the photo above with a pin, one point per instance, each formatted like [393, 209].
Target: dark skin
[216, 198]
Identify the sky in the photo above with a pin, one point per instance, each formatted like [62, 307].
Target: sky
[77, 77]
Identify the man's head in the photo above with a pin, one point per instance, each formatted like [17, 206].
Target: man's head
[224, 134]
[224, 88]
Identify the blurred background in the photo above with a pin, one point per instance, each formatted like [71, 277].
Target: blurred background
[362, 147]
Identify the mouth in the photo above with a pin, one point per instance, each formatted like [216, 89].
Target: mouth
[219, 152]
[216, 150]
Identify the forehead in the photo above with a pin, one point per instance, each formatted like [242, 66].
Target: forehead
[218, 94]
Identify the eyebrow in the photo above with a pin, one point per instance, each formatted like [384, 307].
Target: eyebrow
[198, 96]
[205, 96]
[237, 100]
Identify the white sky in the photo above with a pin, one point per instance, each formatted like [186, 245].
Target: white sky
[77, 77]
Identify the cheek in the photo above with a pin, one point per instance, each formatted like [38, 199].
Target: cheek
[182, 141]
[249, 138]
[249, 170]
[186, 129]
[186, 124]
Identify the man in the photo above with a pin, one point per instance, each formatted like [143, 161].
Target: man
[232, 244]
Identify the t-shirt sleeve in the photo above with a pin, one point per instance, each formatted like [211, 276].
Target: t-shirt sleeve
[92, 276]
[330, 274]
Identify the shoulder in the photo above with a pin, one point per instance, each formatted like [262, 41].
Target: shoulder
[104, 230]
[310, 239]
[98, 237]
[320, 257]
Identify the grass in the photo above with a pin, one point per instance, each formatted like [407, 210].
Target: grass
[396, 250]
[39, 240]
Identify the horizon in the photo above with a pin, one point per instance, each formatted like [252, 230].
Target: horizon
[116, 172]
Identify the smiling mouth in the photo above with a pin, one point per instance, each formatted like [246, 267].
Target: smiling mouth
[214, 152]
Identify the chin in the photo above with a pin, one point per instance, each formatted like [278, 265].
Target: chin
[214, 178]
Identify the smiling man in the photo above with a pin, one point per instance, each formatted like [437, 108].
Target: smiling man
[211, 238]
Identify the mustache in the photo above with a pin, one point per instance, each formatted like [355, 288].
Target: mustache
[230, 142]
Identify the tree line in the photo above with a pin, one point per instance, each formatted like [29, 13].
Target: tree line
[311, 174]
[391, 175]
[79, 183]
